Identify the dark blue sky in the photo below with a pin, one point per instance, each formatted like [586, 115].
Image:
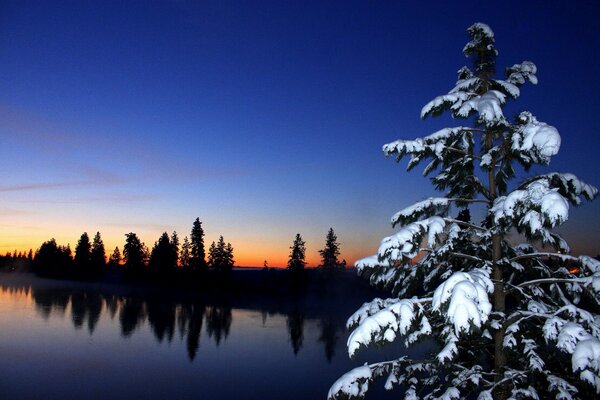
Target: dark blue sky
[264, 119]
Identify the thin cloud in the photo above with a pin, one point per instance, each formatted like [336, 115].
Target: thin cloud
[39, 186]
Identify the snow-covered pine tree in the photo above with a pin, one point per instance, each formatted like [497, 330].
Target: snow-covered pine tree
[512, 320]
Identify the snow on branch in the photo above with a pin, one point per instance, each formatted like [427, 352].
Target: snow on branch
[464, 297]
[431, 145]
[426, 208]
[405, 243]
[395, 318]
[532, 210]
[569, 186]
[481, 35]
[519, 73]
[535, 141]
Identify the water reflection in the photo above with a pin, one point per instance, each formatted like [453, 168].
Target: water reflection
[167, 317]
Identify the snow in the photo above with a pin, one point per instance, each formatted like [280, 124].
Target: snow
[571, 187]
[519, 73]
[405, 243]
[535, 207]
[586, 358]
[428, 206]
[466, 296]
[384, 325]
[535, 139]
[433, 142]
[488, 106]
[479, 32]
[354, 383]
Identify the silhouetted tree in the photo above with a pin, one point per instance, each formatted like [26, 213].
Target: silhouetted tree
[212, 252]
[221, 255]
[134, 254]
[83, 254]
[329, 254]
[297, 255]
[52, 260]
[162, 258]
[197, 254]
[115, 258]
[265, 265]
[175, 247]
[184, 259]
[98, 256]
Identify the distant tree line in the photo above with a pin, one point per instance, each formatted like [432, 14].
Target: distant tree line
[168, 258]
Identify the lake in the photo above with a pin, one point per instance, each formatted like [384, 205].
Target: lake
[65, 340]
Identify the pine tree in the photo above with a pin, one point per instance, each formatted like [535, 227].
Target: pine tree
[229, 261]
[83, 253]
[197, 255]
[162, 257]
[513, 320]
[175, 247]
[331, 251]
[212, 255]
[115, 258]
[97, 255]
[185, 254]
[297, 255]
[135, 254]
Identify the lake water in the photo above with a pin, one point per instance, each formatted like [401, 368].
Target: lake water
[61, 340]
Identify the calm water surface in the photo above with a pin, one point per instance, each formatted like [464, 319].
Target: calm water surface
[72, 341]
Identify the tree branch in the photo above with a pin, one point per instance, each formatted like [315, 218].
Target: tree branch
[537, 255]
[458, 222]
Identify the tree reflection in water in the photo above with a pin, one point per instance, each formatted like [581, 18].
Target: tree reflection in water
[167, 316]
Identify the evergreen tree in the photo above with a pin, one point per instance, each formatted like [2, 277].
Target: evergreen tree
[229, 261]
[134, 254]
[52, 260]
[297, 255]
[98, 255]
[83, 253]
[115, 258]
[175, 247]
[331, 251]
[212, 255]
[30, 255]
[197, 255]
[185, 254]
[162, 257]
[514, 321]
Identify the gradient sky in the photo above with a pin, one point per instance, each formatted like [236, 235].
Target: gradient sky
[263, 119]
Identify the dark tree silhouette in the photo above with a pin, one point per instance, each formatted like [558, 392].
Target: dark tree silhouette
[297, 255]
[115, 258]
[220, 255]
[163, 258]
[175, 247]
[97, 256]
[331, 251]
[184, 258]
[134, 254]
[53, 260]
[197, 254]
[83, 255]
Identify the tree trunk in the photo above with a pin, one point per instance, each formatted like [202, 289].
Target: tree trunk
[501, 391]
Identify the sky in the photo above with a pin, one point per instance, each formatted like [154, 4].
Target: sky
[263, 119]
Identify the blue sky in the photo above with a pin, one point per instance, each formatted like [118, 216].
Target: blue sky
[262, 118]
